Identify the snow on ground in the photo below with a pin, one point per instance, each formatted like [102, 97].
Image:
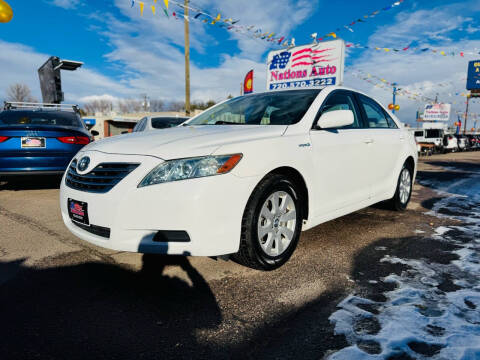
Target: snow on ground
[421, 319]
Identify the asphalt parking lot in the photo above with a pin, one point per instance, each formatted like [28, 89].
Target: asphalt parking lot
[63, 298]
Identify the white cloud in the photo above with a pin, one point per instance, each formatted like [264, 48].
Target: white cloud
[148, 51]
[150, 48]
[414, 71]
[66, 4]
[19, 64]
[106, 97]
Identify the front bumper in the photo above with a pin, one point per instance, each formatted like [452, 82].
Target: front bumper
[208, 209]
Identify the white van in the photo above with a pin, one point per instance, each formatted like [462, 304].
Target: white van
[434, 136]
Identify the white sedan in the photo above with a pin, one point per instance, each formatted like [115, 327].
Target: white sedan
[242, 178]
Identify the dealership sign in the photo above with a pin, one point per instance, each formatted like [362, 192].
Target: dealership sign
[473, 76]
[307, 66]
[437, 112]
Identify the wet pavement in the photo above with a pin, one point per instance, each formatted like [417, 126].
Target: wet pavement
[344, 289]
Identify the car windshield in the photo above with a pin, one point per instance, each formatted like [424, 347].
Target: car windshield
[274, 108]
[167, 122]
[13, 118]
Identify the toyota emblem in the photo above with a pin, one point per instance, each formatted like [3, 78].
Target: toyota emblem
[83, 163]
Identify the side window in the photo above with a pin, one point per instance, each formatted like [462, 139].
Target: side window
[342, 100]
[391, 122]
[140, 125]
[375, 115]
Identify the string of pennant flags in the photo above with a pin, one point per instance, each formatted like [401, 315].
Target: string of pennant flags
[168, 8]
[413, 95]
[249, 30]
[386, 85]
[442, 84]
[428, 49]
[383, 83]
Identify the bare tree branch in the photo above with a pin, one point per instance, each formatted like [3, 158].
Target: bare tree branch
[20, 92]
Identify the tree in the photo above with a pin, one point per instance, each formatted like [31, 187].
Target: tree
[20, 92]
[200, 105]
[127, 106]
[96, 106]
[156, 105]
[176, 106]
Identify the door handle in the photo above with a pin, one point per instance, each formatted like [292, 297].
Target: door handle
[368, 141]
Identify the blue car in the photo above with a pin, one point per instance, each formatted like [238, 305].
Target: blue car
[37, 139]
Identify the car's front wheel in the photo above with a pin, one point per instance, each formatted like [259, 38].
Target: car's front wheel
[403, 192]
[271, 224]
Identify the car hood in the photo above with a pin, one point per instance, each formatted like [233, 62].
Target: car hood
[184, 141]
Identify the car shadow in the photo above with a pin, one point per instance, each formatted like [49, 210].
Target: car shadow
[98, 310]
[30, 182]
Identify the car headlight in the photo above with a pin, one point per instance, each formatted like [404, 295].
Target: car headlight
[191, 168]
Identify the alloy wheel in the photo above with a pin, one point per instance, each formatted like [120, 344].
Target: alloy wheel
[405, 186]
[276, 223]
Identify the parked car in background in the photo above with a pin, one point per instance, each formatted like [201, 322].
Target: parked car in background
[435, 137]
[462, 142]
[450, 143]
[474, 141]
[244, 177]
[149, 123]
[40, 138]
[419, 135]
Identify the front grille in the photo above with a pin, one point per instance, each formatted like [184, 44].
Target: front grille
[95, 229]
[101, 179]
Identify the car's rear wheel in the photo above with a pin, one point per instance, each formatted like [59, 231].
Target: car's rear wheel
[271, 224]
[403, 192]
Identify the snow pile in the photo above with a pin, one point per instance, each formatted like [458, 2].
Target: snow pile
[434, 310]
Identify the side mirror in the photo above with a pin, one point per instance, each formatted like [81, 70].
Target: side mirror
[335, 119]
[94, 133]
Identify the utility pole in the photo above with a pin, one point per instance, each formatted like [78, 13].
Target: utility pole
[394, 95]
[466, 116]
[187, 61]
[145, 103]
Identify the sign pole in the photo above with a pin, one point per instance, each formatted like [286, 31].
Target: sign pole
[187, 61]
[466, 116]
[394, 93]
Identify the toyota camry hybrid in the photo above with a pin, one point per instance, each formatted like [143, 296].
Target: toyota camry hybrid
[242, 178]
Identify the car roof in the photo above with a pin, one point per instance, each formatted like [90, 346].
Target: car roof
[166, 117]
[37, 111]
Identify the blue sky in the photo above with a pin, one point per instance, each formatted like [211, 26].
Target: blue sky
[126, 55]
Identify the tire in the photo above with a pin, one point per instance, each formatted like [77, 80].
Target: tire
[272, 250]
[399, 202]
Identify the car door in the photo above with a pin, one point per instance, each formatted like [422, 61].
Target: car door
[386, 145]
[341, 157]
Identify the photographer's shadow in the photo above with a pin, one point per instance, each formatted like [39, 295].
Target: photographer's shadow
[99, 310]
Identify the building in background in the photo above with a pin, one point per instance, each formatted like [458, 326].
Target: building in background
[115, 124]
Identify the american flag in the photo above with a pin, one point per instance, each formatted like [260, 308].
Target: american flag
[310, 57]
